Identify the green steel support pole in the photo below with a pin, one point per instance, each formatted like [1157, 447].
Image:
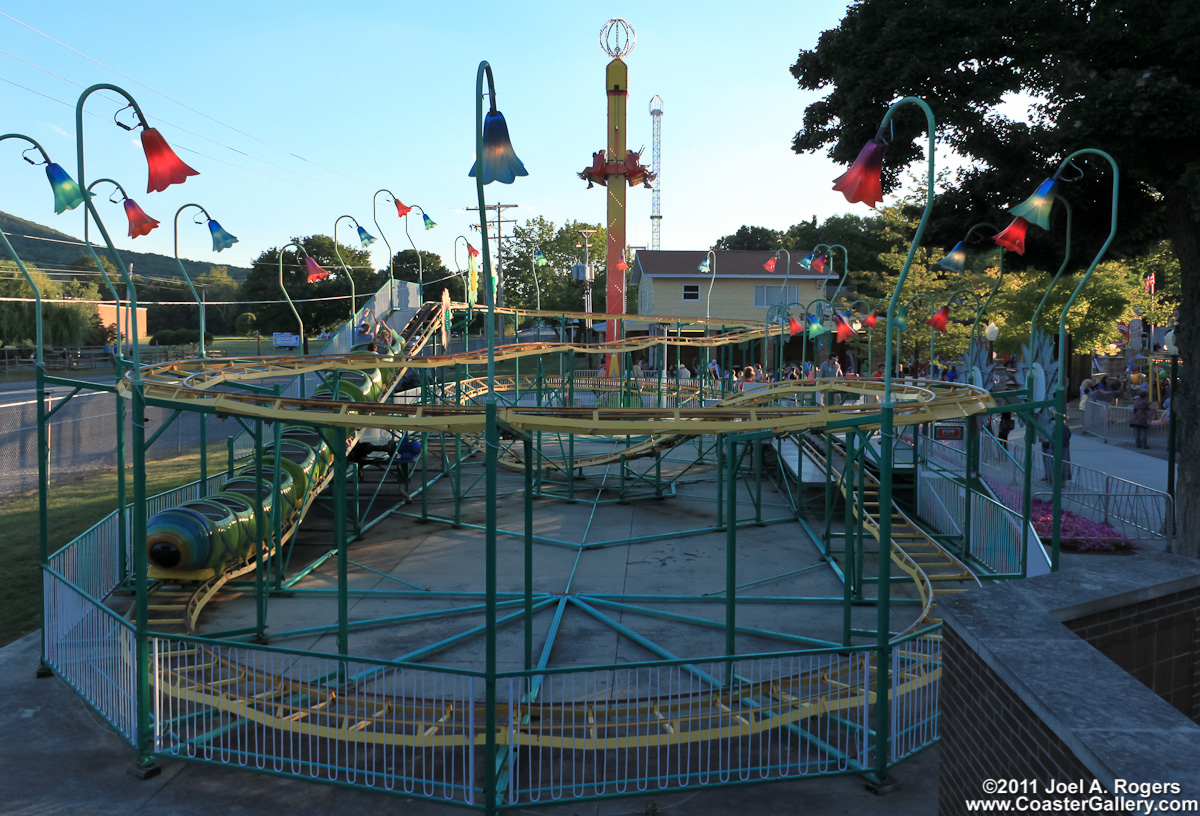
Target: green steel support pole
[886, 434]
[340, 540]
[862, 487]
[1171, 439]
[123, 515]
[720, 482]
[731, 563]
[424, 477]
[848, 504]
[528, 555]
[758, 461]
[1061, 390]
[828, 534]
[263, 543]
[969, 478]
[288, 298]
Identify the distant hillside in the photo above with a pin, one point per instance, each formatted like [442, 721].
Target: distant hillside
[52, 255]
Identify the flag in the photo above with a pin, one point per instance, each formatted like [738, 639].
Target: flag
[1150, 284]
[769, 265]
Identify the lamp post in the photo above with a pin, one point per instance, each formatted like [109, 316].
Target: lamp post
[400, 210]
[311, 264]
[903, 324]
[538, 259]
[67, 196]
[221, 240]
[165, 168]
[867, 322]
[498, 163]
[429, 224]
[366, 239]
[783, 300]
[862, 183]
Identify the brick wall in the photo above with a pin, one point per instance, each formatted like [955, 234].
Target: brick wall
[988, 733]
[1156, 641]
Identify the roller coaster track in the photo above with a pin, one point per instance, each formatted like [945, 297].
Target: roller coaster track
[205, 677]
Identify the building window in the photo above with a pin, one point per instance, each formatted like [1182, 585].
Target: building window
[691, 291]
[766, 296]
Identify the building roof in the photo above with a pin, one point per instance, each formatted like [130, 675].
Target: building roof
[736, 263]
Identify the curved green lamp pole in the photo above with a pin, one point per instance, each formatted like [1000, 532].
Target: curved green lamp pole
[870, 331]
[43, 439]
[383, 235]
[804, 345]
[845, 267]
[186, 277]
[995, 287]
[144, 734]
[288, 297]
[906, 310]
[119, 355]
[337, 251]
[711, 259]
[1057, 275]
[786, 274]
[956, 298]
[1060, 396]
[886, 445]
[420, 267]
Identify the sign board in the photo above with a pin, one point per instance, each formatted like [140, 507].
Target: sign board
[948, 431]
[285, 340]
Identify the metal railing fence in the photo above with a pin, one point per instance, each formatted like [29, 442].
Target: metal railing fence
[1111, 423]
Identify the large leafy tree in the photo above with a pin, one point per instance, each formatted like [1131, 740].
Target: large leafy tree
[1119, 75]
[428, 269]
[562, 248]
[262, 285]
[751, 238]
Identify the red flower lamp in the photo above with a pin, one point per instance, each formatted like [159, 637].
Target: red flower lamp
[401, 208]
[844, 330]
[870, 320]
[621, 265]
[165, 167]
[862, 181]
[769, 265]
[794, 327]
[818, 263]
[315, 272]
[1013, 237]
[139, 222]
[939, 318]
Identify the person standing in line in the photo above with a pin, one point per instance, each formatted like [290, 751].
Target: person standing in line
[1139, 419]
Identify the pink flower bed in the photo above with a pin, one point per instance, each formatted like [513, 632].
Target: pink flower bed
[1078, 534]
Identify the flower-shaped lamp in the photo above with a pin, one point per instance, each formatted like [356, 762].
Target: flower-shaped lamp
[139, 222]
[815, 327]
[1013, 237]
[769, 265]
[870, 320]
[401, 208]
[703, 267]
[900, 321]
[429, 222]
[844, 330]
[67, 195]
[819, 262]
[1036, 208]
[794, 327]
[500, 162]
[540, 259]
[165, 167]
[315, 272]
[991, 332]
[862, 181]
[365, 237]
[221, 238]
[807, 260]
[472, 252]
[939, 318]
[956, 261]
[621, 265]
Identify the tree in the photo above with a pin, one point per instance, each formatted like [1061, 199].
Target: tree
[247, 324]
[562, 248]
[755, 238]
[1119, 75]
[431, 270]
[262, 285]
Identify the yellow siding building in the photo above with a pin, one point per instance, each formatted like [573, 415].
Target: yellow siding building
[670, 283]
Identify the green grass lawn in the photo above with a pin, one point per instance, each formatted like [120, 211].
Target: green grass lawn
[74, 507]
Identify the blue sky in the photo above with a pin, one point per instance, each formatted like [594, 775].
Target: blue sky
[297, 113]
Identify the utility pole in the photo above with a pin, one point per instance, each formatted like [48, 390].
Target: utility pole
[500, 239]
